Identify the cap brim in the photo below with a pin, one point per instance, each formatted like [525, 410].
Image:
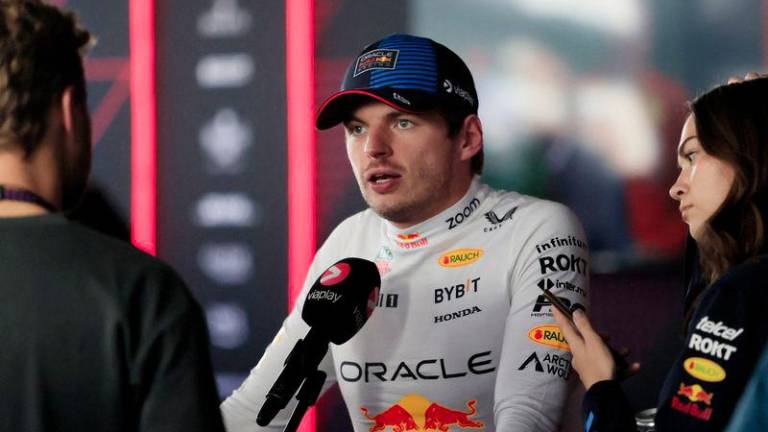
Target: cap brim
[337, 107]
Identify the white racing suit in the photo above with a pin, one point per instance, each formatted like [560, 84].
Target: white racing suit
[462, 338]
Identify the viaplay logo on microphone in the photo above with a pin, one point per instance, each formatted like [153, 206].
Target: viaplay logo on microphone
[331, 296]
[335, 274]
[342, 298]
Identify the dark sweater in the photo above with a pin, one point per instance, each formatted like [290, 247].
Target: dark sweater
[97, 336]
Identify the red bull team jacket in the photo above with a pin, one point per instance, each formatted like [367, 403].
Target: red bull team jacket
[462, 337]
[725, 339]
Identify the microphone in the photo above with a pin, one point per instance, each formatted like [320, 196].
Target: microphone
[337, 306]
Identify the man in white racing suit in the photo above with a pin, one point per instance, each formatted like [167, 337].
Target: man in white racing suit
[462, 337]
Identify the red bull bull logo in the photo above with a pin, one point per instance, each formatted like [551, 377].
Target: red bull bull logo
[695, 393]
[417, 413]
[411, 241]
[395, 417]
[440, 418]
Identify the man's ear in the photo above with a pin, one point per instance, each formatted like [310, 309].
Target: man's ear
[68, 108]
[471, 137]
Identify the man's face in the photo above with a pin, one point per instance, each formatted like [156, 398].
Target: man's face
[78, 158]
[403, 163]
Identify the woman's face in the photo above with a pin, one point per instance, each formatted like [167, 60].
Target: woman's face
[703, 183]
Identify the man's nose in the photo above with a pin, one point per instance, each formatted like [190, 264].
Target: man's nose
[378, 143]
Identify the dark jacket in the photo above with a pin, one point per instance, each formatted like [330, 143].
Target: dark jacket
[725, 338]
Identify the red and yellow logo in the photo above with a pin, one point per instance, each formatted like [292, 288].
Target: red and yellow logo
[460, 257]
[689, 403]
[417, 413]
[411, 241]
[549, 335]
[704, 369]
[695, 393]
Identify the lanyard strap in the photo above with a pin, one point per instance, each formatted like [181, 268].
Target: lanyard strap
[15, 194]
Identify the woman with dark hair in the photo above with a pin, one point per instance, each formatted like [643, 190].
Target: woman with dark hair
[722, 188]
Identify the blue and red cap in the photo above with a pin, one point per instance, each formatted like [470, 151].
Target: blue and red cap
[409, 73]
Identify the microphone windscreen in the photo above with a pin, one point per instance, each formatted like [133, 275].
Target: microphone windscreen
[342, 298]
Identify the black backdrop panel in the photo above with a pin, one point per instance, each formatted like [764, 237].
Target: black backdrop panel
[109, 104]
[222, 168]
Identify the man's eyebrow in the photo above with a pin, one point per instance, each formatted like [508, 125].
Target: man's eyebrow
[352, 118]
[393, 115]
[389, 116]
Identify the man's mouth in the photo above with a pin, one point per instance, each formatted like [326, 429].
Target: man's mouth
[382, 178]
[381, 175]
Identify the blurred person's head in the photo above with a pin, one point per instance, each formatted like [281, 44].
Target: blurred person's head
[723, 183]
[409, 107]
[43, 110]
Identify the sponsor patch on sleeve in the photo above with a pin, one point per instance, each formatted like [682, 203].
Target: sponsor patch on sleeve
[549, 363]
[704, 369]
[549, 335]
[693, 401]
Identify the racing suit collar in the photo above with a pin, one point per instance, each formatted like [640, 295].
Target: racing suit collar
[450, 218]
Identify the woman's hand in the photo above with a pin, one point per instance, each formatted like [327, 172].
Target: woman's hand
[593, 359]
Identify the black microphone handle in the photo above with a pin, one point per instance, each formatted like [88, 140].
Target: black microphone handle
[308, 394]
[302, 362]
